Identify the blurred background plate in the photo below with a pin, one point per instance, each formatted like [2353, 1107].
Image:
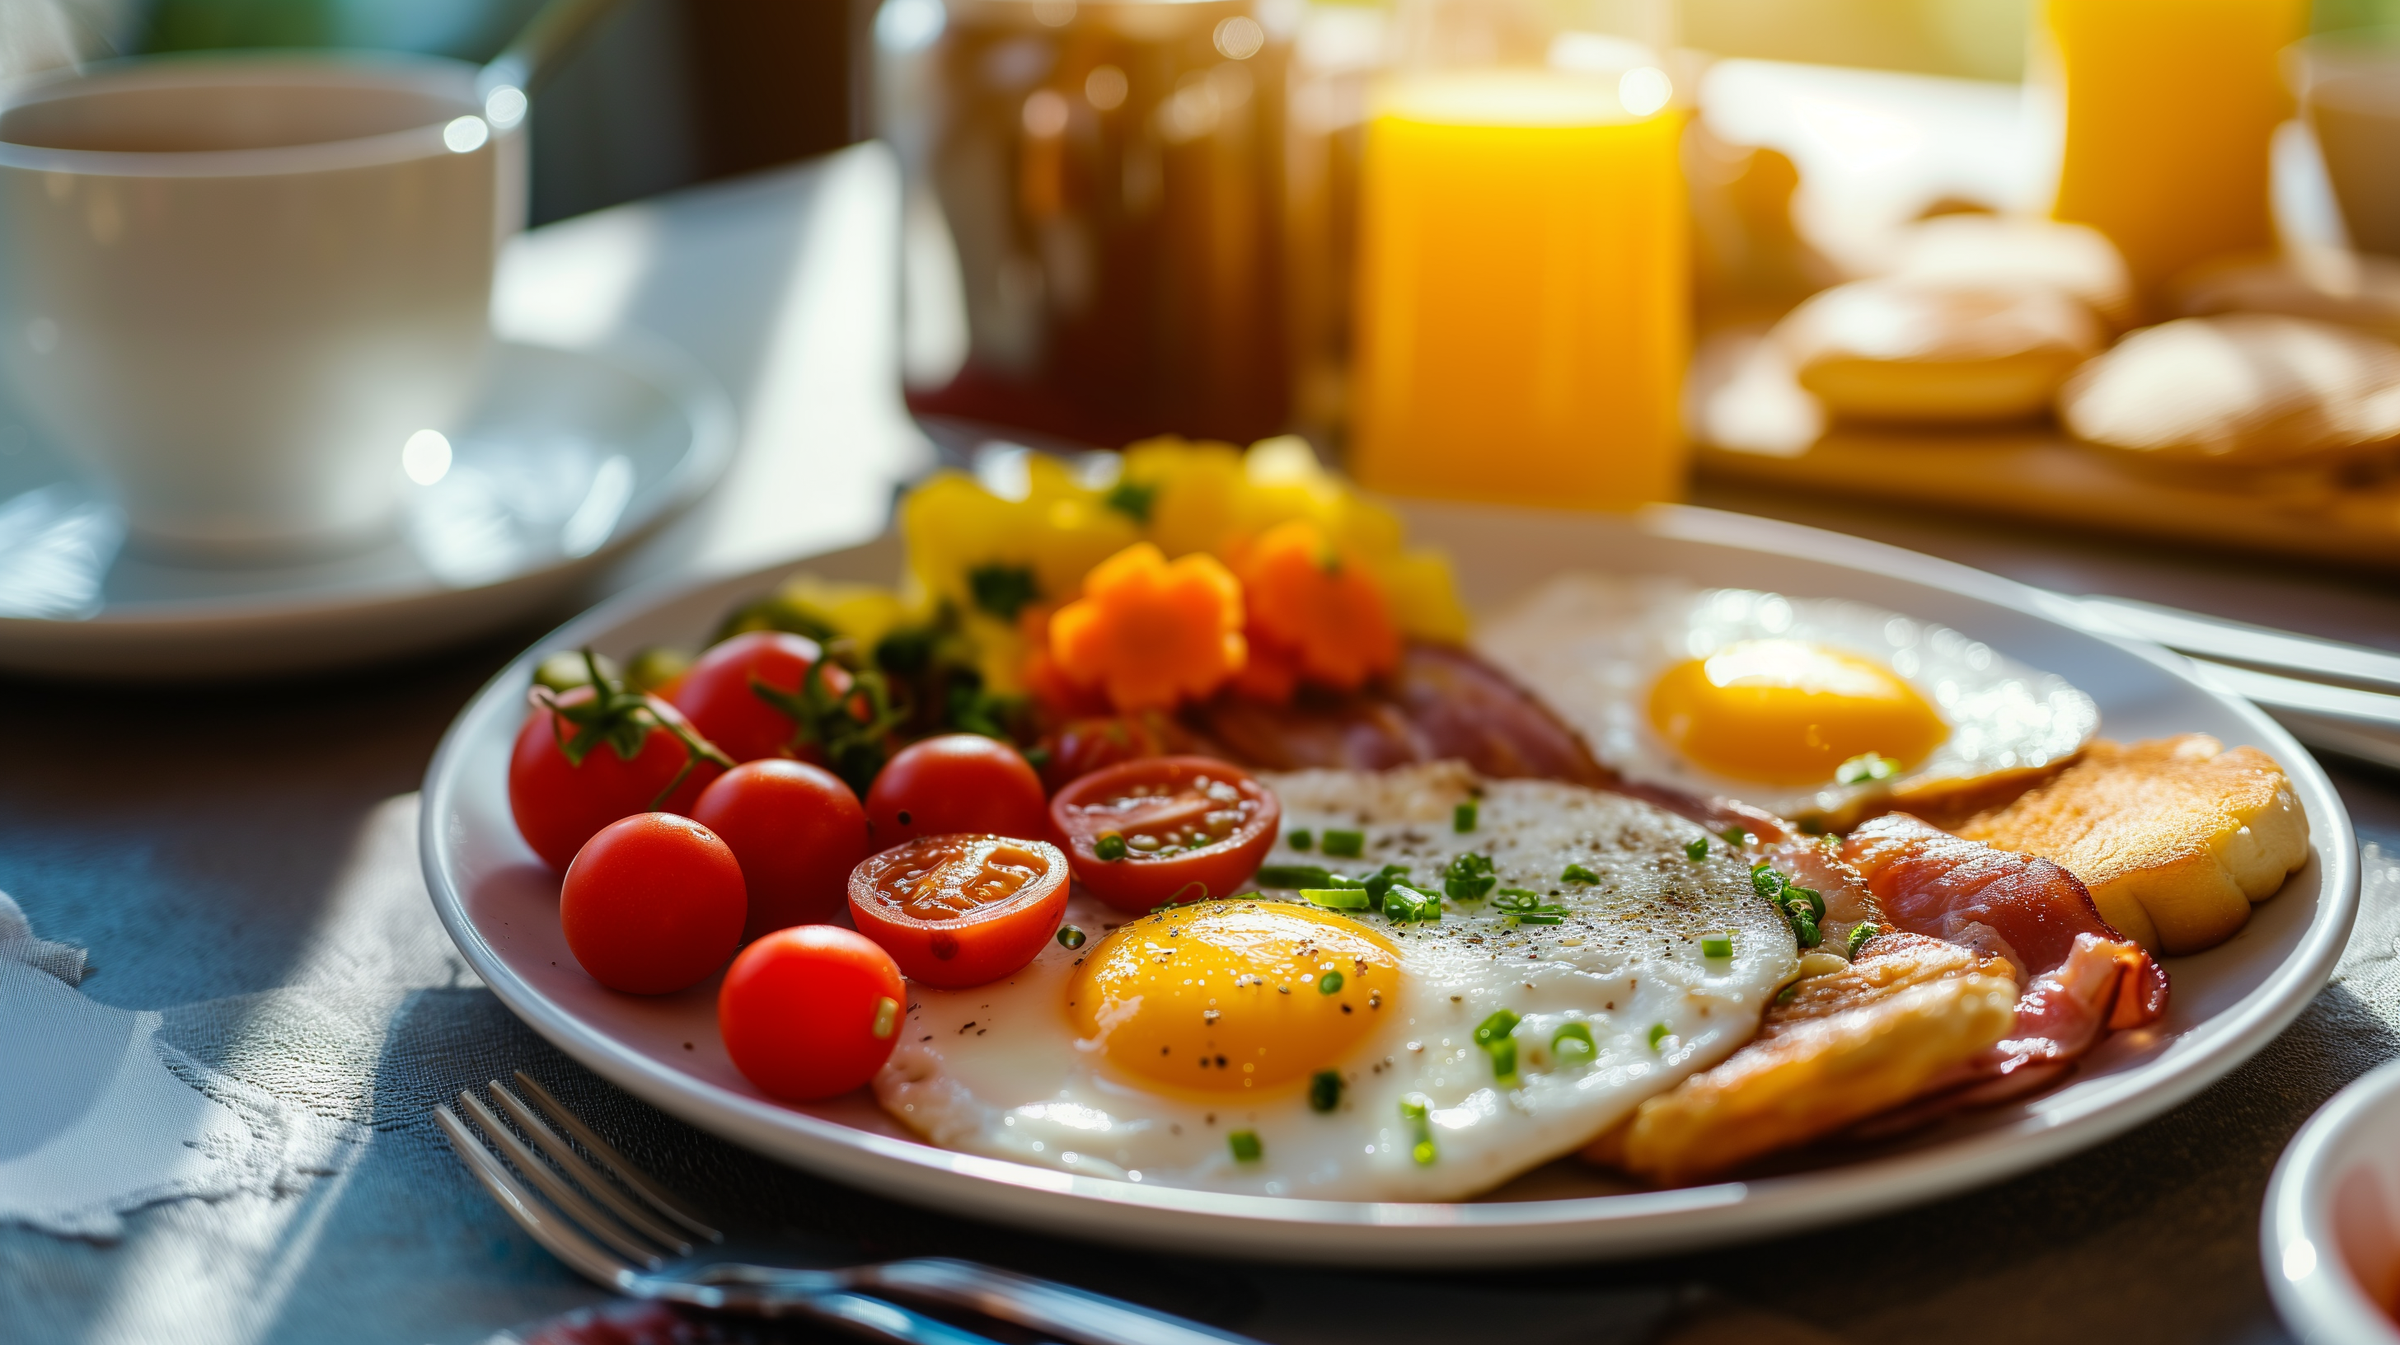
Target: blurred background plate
[566, 458]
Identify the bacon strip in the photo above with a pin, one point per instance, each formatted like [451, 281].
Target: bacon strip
[2081, 978]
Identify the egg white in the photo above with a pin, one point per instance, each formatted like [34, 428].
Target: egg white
[1592, 646]
[1000, 1070]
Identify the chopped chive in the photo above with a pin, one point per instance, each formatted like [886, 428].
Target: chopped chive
[1521, 907]
[1345, 844]
[1417, 1110]
[1788, 993]
[1793, 895]
[1462, 817]
[1573, 1040]
[1298, 876]
[1496, 1028]
[1576, 873]
[1469, 877]
[1382, 882]
[1860, 933]
[1716, 945]
[1330, 983]
[1735, 837]
[1697, 850]
[1111, 845]
[1406, 905]
[1069, 937]
[1658, 1033]
[1336, 898]
[1767, 882]
[887, 1017]
[1504, 1062]
[1324, 1090]
[1245, 1146]
[1866, 768]
[1301, 839]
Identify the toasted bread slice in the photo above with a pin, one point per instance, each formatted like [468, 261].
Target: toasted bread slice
[2175, 837]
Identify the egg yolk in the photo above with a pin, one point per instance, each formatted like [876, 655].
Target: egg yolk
[1787, 712]
[1233, 996]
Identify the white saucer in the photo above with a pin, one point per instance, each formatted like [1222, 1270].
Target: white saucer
[566, 457]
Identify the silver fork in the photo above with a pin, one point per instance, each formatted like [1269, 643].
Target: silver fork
[635, 1236]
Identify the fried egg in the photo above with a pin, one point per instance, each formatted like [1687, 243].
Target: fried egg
[1810, 708]
[1272, 1047]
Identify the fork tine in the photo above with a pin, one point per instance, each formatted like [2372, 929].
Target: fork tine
[559, 1239]
[639, 1182]
[569, 1202]
[587, 1174]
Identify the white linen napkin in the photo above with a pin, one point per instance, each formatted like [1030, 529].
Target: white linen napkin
[98, 1117]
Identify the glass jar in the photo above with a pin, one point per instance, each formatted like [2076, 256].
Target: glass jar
[1092, 220]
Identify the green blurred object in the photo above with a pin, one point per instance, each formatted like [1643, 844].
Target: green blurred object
[471, 30]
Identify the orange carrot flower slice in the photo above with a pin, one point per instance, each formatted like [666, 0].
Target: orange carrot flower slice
[1149, 633]
[1308, 596]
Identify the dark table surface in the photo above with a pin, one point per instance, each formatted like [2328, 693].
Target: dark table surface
[188, 839]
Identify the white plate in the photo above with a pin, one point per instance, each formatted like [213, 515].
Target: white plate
[2331, 1229]
[500, 905]
[566, 457]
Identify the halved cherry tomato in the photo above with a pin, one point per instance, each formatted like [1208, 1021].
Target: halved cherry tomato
[810, 1012]
[961, 910]
[558, 803]
[797, 830]
[957, 782]
[1183, 828]
[652, 904]
[720, 694]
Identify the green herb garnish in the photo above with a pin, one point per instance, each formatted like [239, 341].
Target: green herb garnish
[1132, 499]
[1324, 1090]
[1716, 945]
[1658, 1033]
[1866, 768]
[1520, 907]
[1069, 937]
[1345, 844]
[1381, 882]
[1417, 1110]
[1299, 876]
[1469, 878]
[1576, 873]
[1573, 1041]
[1860, 933]
[1003, 590]
[1462, 817]
[1697, 850]
[1301, 839]
[1110, 845]
[1336, 898]
[1245, 1146]
[1735, 837]
[1330, 983]
[1406, 905]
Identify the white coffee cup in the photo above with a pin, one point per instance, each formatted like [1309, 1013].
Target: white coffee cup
[235, 286]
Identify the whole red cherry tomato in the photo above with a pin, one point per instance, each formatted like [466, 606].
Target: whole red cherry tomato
[958, 782]
[1166, 829]
[594, 754]
[652, 904]
[961, 910]
[721, 692]
[1081, 746]
[811, 1011]
[797, 830]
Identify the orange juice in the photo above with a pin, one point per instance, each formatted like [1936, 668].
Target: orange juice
[1523, 293]
[2169, 108]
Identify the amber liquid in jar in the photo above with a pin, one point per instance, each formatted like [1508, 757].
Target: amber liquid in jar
[1093, 214]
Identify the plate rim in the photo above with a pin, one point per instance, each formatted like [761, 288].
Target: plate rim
[1579, 1228]
[677, 375]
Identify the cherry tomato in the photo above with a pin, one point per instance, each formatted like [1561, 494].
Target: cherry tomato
[958, 782]
[1166, 829]
[652, 904]
[558, 804]
[811, 1012]
[1081, 746]
[797, 830]
[721, 692]
[961, 910]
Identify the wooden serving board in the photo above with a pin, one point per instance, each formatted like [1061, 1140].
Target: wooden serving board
[1754, 425]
